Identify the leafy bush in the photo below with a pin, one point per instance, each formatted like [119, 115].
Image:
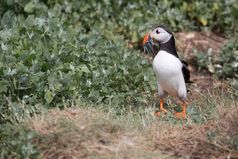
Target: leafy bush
[16, 142]
[227, 63]
[224, 65]
[45, 60]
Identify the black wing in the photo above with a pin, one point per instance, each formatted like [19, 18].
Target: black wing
[186, 73]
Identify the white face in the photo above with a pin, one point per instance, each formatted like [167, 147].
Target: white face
[160, 35]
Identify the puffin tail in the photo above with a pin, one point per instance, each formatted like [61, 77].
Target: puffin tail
[186, 73]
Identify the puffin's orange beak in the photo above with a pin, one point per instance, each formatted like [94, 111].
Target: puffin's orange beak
[146, 38]
[148, 44]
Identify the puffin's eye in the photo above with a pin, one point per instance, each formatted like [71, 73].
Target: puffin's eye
[157, 31]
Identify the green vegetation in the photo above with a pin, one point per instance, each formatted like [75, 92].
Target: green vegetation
[56, 53]
[224, 65]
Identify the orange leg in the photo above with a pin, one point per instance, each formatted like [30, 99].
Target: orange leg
[161, 105]
[182, 115]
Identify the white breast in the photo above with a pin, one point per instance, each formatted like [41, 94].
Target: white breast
[168, 70]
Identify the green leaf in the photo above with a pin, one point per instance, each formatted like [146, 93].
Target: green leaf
[3, 86]
[84, 68]
[48, 96]
[203, 20]
[29, 7]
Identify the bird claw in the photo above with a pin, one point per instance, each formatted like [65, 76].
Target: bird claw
[158, 113]
[180, 115]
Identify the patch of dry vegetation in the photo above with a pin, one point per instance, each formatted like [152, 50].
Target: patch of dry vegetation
[216, 139]
[84, 133]
[89, 133]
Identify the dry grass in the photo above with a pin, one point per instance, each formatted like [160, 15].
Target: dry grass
[193, 141]
[211, 131]
[84, 133]
[217, 137]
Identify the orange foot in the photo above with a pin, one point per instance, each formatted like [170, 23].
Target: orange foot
[162, 110]
[158, 113]
[180, 115]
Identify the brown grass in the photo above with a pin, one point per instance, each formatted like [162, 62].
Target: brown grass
[80, 133]
[193, 141]
[90, 133]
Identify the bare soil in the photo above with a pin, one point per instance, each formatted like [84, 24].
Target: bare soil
[201, 41]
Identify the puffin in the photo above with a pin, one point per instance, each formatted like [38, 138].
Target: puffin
[171, 72]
